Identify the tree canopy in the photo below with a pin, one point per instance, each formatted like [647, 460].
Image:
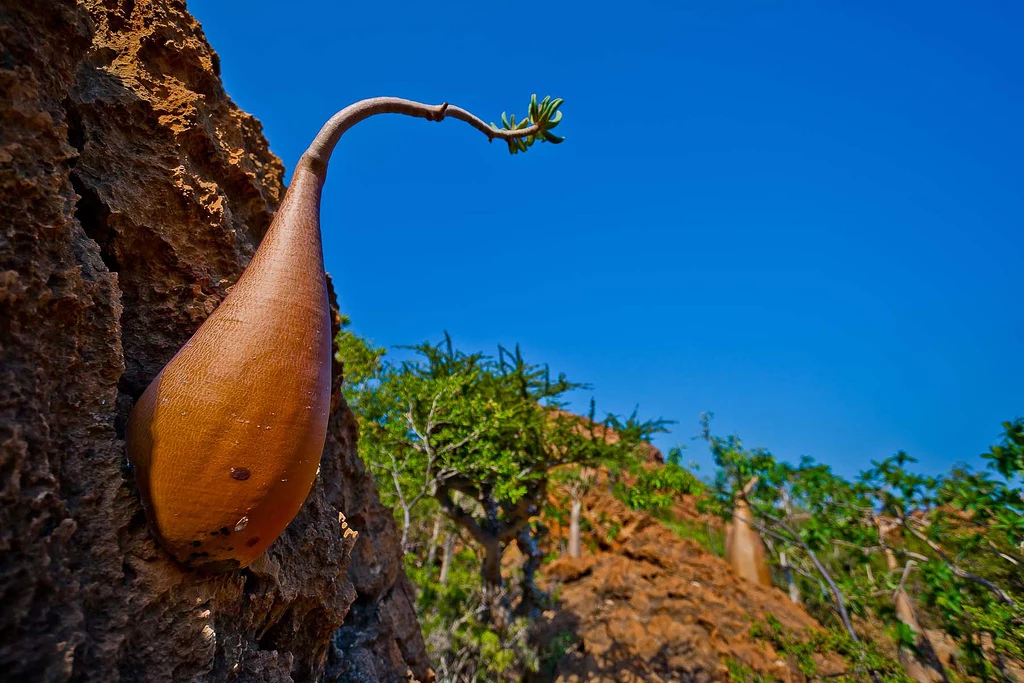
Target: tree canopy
[478, 435]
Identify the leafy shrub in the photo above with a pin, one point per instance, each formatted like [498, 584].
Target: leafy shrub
[806, 648]
[658, 489]
[461, 642]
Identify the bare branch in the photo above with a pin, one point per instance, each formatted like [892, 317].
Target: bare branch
[866, 549]
[903, 580]
[840, 603]
[962, 573]
[462, 442]
[319, 151]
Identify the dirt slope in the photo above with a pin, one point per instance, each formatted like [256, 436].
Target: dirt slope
[648, 605]
[133, 192]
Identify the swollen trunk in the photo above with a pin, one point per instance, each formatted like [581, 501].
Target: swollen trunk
[744, 549]
[227, 438]
[916, 663]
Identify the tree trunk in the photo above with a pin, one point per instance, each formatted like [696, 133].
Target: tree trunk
[491, 568]
[794, 590]
[434, 533]
[446, 557]
[923, 666]
[574, 527]
[533, 597]
[744, 549]
[406, 523]
[494, 588]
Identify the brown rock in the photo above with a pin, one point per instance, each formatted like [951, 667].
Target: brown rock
[656, 607]
[133, 192]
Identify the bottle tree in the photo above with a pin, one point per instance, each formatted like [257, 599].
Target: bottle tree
[897, 547]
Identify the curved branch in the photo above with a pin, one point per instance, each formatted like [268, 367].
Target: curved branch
[959, 571]
[840, 603]
[461, 517]
[319, 151]
[903, 580]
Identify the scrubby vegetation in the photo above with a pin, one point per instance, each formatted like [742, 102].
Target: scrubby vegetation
[474, 452]
[463, 447]
[919, 555]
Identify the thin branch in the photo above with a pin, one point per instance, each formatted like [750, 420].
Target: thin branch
[419, 496]
[762, 529]
[398, 489]
[410, 420]
[866, 549]
[432, 412]
[319, 152]
[459, 444]
[1009, 558]
[910, 553]
[816, 579]
[840, 603]
[903, 580]
[962, 573]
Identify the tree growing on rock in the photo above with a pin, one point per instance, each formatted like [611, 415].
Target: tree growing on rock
[481, 436]
[899, 548]
[744, 549]
[739, 473]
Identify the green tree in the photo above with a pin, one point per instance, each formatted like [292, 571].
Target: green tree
[480, 435]
[865, 546]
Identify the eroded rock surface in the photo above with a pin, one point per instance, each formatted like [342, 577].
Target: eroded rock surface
[133, 192]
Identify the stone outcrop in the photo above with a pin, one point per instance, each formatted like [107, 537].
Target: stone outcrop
[643, 604]
[133, 192]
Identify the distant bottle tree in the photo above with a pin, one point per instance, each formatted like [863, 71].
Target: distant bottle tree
[896, 546]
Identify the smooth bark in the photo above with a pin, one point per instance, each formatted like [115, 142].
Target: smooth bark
[575, 512]
[446, 557]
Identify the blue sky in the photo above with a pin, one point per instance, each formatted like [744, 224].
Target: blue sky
[806, 217]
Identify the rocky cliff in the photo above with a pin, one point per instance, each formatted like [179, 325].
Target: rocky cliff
[133, 193]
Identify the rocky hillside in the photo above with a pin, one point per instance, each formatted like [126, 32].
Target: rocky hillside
[644, 604]
[133, 193]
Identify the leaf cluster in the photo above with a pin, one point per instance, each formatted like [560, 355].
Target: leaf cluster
[362, 360]
[544, 114]
[657, 489]
[488, 421]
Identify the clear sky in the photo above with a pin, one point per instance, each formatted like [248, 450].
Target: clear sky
[806, 217]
